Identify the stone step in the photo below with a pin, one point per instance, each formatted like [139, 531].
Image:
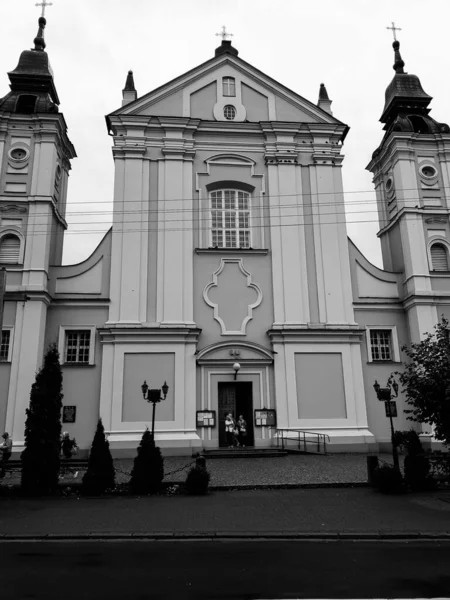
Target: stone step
[243, 453]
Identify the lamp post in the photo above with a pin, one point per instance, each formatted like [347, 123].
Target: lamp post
[154, 396]
[385, 395]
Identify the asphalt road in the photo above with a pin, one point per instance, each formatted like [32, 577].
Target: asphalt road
[223, 570]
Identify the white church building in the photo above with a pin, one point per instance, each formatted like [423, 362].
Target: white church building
[227, 271]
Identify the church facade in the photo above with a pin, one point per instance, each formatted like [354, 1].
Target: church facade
[227, 272]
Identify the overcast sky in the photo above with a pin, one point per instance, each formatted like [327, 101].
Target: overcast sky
[343, 43]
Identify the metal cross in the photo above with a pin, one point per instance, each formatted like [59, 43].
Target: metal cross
[224, 34]
[394, 29]
[44, 5]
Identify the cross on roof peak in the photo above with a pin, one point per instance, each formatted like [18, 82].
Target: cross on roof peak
[44, 5]
[224, 33]
[394, 29]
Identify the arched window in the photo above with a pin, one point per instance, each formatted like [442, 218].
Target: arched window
[228, 86]
[230, 217]
[439, 258]
[229, 112]
[9, 249]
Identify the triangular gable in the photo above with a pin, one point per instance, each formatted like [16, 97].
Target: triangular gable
[198, 94]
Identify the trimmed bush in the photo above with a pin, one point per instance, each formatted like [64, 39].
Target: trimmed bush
[148, 468]
[388, 479]
[40, 458]
[417, 466]
[197, 481]
[100, 474]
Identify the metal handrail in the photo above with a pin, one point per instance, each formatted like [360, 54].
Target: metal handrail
[301, 438]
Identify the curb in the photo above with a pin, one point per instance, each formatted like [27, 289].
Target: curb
[223, 535]
[285, 486]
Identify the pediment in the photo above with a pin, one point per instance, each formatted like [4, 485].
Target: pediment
[199, 94]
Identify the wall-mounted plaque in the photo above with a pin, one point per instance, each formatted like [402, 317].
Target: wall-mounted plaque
[206, 418]
[69, 414]
[265, 417]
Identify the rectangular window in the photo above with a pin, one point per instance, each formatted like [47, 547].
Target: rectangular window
[228, 86]
[77, 346]
[381, 344]
[230, 219]
[5, 345]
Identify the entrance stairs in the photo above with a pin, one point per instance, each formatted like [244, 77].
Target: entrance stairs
[247, 452]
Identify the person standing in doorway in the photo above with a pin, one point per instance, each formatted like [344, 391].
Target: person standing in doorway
[242, 427]
[229, 428]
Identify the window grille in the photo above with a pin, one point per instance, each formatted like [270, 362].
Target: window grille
[9, 249]
[78, 345]
[228, 86]
[229, 112]
[5, 341]
[380, 344]
[230, 219]
[439, 260]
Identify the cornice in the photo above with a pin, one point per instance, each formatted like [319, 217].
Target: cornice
[146, 335]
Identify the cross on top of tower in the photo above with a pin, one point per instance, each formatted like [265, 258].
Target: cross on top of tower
[44, 5]
[224, 33]
[394, 29]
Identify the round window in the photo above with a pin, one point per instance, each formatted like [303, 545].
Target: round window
[428, 171]
[229, 112]
[389, 184]
[18, 154]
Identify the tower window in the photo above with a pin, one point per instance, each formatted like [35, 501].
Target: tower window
[9, 249]
[228, 86]
[229, 112]
[26, 104]
[439, 258]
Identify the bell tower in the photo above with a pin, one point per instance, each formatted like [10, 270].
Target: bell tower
[411, 169]
[35, 155]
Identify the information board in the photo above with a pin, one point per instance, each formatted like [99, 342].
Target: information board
[69, 414]
[265, 417]
[206, 418]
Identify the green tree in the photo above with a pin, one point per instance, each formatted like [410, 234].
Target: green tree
[148, 468]
[40, 458]
[426, 381]
[100, 473]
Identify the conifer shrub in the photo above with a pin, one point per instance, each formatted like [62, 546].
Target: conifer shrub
[100, 473]
[40, 460]
[197, 480]
[388, 479]
[148, 468]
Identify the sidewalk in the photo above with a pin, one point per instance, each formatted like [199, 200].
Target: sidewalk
[357, 514]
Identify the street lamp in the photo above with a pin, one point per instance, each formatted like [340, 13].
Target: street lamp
[236, 368]
[154, 396]
[385, 395]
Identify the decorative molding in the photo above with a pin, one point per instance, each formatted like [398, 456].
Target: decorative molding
[441, 220]
[250, 284]
[261, 355]
[262, 251]
[13, 208]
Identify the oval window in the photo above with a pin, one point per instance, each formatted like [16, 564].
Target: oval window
[229, 112]
[18, 154]
[389, 184]
[428, 171]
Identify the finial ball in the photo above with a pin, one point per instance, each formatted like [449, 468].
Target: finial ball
[42, 21]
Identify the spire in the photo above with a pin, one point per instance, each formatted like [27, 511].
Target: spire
[398, 64]
[129, 93]
[405, 90]
[39, 42]
[32, 86]
[324, 101]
